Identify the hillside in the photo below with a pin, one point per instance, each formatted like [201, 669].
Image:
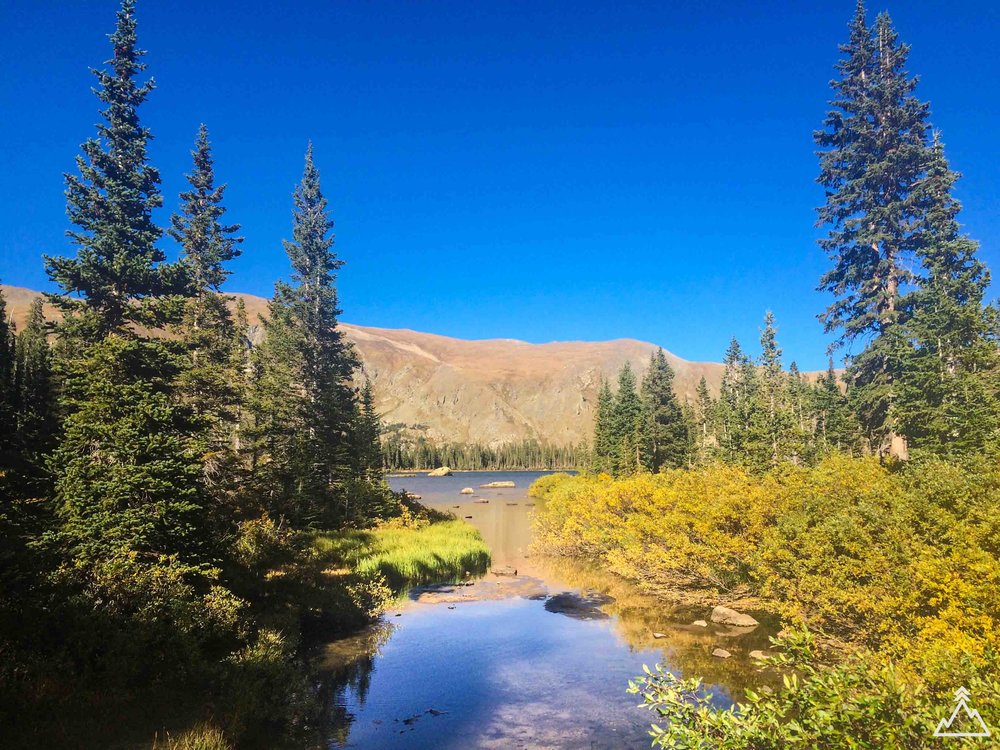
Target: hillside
[490, 391]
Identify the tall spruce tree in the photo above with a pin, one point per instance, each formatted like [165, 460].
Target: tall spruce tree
[627, 424]
[8, 421]
[118, 275]
[604, 441]
[836, 427]
[368, 435]
[740, 412]
[706, 414]
[666, 430]
[126, 475]
[209, 384]
[34, 404]
[948, 391]
[884, 182]
[778, 419]
[305, 406]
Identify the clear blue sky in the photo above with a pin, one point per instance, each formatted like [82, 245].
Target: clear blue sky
[537, 170]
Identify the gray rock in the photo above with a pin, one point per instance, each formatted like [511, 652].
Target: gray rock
[721, 653]
[494, 485]
[726, 616]
[444, 471]
[700, 623]
[467, 491]
[757, 654]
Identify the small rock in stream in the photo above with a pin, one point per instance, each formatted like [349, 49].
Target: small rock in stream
[721, 653]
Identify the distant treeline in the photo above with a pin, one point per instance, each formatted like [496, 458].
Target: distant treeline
[525, 454]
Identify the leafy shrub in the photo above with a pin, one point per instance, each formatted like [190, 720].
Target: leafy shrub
[861, 702]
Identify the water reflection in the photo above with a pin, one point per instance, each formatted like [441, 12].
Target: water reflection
[537, 660]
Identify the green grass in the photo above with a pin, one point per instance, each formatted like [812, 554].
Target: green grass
[431, 553]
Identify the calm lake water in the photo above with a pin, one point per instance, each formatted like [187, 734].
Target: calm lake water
[540, 660]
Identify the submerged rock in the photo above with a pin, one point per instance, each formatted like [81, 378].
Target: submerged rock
[721, 653]
[726, 616]
[757, 654]
[444, 471]
[495, 485]
[579, 606]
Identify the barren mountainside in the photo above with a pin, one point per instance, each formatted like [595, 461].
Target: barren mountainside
[490, 391]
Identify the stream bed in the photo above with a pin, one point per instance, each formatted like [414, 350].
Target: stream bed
[536, 654]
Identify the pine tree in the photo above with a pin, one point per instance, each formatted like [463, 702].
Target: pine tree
[305, 406]
[627, 424]
[948, 391]
[665, 430]
[604, 442]
[836, 427]
[127, 487]
[706, 413]
[34, 403]
[8, 421]
[778, 422]
[210, 383]
[118, 269]
[875, 158]
[740, 412]
[369, 436]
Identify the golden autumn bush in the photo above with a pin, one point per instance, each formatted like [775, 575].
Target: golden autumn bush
[900, 561]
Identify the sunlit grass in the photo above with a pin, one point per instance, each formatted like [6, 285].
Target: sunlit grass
[431, 553]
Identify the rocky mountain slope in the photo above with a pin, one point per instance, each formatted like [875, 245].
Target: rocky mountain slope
[489, 391]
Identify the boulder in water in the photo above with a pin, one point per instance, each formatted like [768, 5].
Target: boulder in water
[700, 623]
[726, 616]
[444, 471]
[497, 485]
[467, 491]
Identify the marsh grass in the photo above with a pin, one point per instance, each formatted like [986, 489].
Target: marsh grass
[408, 555]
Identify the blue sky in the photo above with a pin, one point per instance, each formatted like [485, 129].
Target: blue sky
[537, 170]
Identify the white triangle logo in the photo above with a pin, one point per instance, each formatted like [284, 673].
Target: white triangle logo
[971, 719]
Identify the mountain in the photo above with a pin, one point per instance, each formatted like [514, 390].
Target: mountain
[489, 391]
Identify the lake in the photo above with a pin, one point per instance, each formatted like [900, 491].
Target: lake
[540, 659]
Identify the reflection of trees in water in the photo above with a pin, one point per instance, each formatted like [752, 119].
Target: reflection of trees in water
[345, 670]
[686, 648]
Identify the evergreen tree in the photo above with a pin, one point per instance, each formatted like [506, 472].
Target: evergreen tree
[947, 401]
[740, 412]
[369, 436]
[118, 271]
[304, 404]
[836, 427]
[706, 413]
[133, 534]
[666, 430]
[209, 384]
[778, 424]
[888, 205]
[627, 424]
[604, 441]
[8, 421]
[802, 428]
[34, 403]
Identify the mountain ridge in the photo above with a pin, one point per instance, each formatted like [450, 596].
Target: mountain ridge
[490, 391]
